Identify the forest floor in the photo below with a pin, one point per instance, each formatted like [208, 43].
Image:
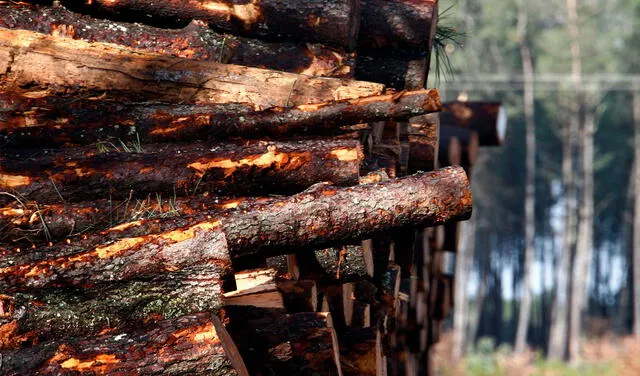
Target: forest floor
[605, 356]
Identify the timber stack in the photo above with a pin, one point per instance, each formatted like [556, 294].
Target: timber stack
[220, 187]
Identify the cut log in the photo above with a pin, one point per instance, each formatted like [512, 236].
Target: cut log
[264, 288]
[29, 222]
[194, 344]
[196, 41]
[86, 122]
[360, 352]
[424, 140]
[307, 219]
[333, 22]
[179, 169]
[398, 24]
[488, 119]
[53, 314]
[330, 266]
[396, 72]
[274, 343]
[458, 146]
[42, 65]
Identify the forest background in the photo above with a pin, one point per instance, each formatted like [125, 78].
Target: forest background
[553, 248]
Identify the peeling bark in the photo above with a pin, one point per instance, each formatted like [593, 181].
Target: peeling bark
[193, 344]
[308, 219]
[195, 41]
[35, 65]
[42, 124]
[179, 169]
[333, 22]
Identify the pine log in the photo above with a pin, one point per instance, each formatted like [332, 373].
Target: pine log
[398, 24]
[182, 169]
[458, 146]
[334, 22]
[196, 41]
[86, 122]
[424, 141]
[52, 314]
[194, 344]
[38, 65]
[331, 266]
[274, 343]
[265, 288]
[307, 219]
[29, 222]
[400, 73]
[360, 352]
[488, 119]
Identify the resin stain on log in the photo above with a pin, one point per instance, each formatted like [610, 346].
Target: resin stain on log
[248, 13]
[271, 159]
[8, 181]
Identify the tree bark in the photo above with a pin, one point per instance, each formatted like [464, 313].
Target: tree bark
[402, 73]
[334, 22]
[486, 118]
[424, 141]
[193, 344]
[53, 314]
[30, 222]
[196, 41]
[636, 217]
[308, 219]
[86, 122]
[37, 65]
[182, 169]
[398, 24]
[524, 313]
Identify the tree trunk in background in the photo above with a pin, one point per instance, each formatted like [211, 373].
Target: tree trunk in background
[464, 265]
[636, 216]
[577, 279]
[584, 245]
[530, 188]
[559, 307]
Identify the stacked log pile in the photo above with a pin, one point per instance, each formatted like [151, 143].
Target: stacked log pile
[222, 188]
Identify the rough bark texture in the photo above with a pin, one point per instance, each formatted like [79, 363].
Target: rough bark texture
[38, 65]
[28, 222]
[196, 41]
[396, 72]
[53, 314]
[333, 22]
[182, 169]
[85, 122]
[352, 213]
[307, 219]
[194, 344]
[398, 24]
[488, 119]
[424, 141]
